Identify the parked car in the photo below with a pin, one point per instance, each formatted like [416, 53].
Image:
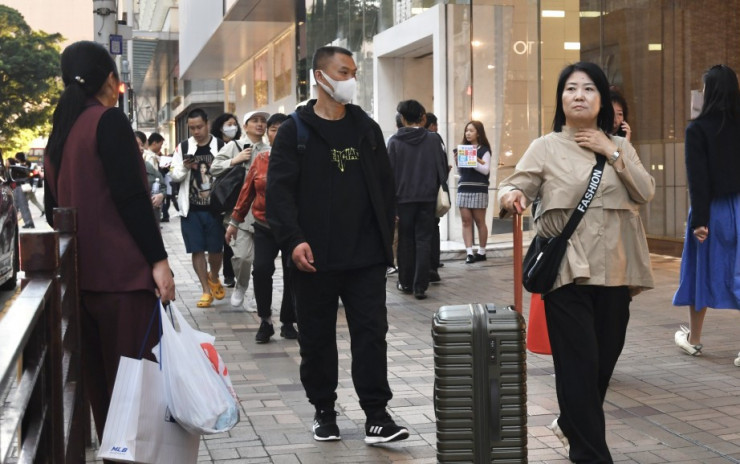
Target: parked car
[9, 247]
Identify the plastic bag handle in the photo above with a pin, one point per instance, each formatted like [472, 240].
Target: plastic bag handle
[149, 329]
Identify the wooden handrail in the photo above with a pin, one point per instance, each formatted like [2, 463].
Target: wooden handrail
[44, 413]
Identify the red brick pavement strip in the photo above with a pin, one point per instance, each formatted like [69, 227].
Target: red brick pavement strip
[663, 406]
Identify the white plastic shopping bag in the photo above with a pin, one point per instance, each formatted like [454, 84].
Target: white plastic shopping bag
[200, 398]
[139, 427]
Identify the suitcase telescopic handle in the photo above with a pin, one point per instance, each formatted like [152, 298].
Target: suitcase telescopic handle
[518, 256]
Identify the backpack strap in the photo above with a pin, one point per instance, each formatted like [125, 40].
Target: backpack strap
[184, 147]
[302, 132]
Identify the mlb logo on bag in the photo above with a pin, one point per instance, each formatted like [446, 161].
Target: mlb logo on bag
[119, 449]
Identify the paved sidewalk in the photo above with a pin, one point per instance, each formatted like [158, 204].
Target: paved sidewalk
[663, 406]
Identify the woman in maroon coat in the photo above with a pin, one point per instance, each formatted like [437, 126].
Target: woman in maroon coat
[93, 165]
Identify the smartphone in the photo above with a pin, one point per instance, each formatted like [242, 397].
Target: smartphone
[188, 158]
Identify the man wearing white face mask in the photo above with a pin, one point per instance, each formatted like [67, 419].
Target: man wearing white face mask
[331, 205]
[234, 153]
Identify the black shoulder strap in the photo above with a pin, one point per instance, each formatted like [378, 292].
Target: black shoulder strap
[184, 147]
[302, 132]
[593, 184]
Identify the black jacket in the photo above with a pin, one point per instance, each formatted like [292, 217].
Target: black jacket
[298, 191]
[712, 163]
[417, 161]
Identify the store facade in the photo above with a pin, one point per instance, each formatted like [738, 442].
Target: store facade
[492, 60]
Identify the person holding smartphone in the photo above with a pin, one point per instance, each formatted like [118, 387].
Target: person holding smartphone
[232, 154]
[202, 231]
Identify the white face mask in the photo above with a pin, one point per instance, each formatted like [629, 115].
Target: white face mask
[343, 90]
[229, 131]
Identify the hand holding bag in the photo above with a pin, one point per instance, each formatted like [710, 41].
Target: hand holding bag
[545, 254]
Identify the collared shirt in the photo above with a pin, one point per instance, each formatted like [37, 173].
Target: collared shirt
[609, 247]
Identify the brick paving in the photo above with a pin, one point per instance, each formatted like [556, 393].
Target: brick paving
[663, 406]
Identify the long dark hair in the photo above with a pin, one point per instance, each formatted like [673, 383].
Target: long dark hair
[219, 122]
[482, 139]
[605, 118]
[721, 93]
[85, 67]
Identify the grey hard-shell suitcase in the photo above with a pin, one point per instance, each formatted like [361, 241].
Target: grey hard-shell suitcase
[480, 381]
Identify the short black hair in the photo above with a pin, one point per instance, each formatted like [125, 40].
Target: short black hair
[399, 121]
[141, 136]
[198, 113]
[321, 54]
[431, 119]
[20, 156]
[412, 111]
[277, 118]
[155, 137]
[605, 118]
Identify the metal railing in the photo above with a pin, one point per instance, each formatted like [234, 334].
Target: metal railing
[44, 417]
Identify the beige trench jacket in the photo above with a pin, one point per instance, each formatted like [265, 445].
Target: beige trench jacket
[609, 247]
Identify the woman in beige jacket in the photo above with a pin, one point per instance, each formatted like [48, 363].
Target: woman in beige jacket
[607, 260]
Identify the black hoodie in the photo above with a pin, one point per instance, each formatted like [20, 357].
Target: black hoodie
[299, 191]
[417, 160]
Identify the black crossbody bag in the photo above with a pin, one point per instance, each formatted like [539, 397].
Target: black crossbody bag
[542, 262]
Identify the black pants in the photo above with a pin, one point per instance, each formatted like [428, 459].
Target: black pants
[587, 327]
[166, 207]
[228, 267]
[435, 252]
[415, 224]
[317, 297]
[113, 325]
[263, 267]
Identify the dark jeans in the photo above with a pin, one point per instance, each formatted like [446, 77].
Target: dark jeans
[415, 224]
[263, 267]
[587, 326]
[317, 297]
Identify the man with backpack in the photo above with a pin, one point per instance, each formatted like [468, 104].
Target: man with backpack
[233, 154]
[330, 203]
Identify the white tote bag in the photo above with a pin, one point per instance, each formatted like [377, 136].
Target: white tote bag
[139, 427]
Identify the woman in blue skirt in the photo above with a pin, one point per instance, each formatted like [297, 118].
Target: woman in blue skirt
[710, 265]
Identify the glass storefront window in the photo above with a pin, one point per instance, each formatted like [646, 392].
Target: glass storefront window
[654, 52]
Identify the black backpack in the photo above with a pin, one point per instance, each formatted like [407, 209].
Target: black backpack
[226, 187]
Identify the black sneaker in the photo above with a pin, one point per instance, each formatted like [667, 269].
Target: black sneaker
[325, 426]
[230, 283]
[434, 276]
[288, 331]
[470, 259]
[480, 257]
[264, 333]
[384, 430]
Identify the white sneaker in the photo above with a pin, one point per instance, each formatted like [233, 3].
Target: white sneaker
[558, 432]
[237, 297]
[682, 341]
[251, 304]
[737, 360]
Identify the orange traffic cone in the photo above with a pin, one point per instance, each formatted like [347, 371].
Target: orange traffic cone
[538, 341]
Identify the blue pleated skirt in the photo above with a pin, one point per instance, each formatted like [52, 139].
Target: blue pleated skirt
[710, 271]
